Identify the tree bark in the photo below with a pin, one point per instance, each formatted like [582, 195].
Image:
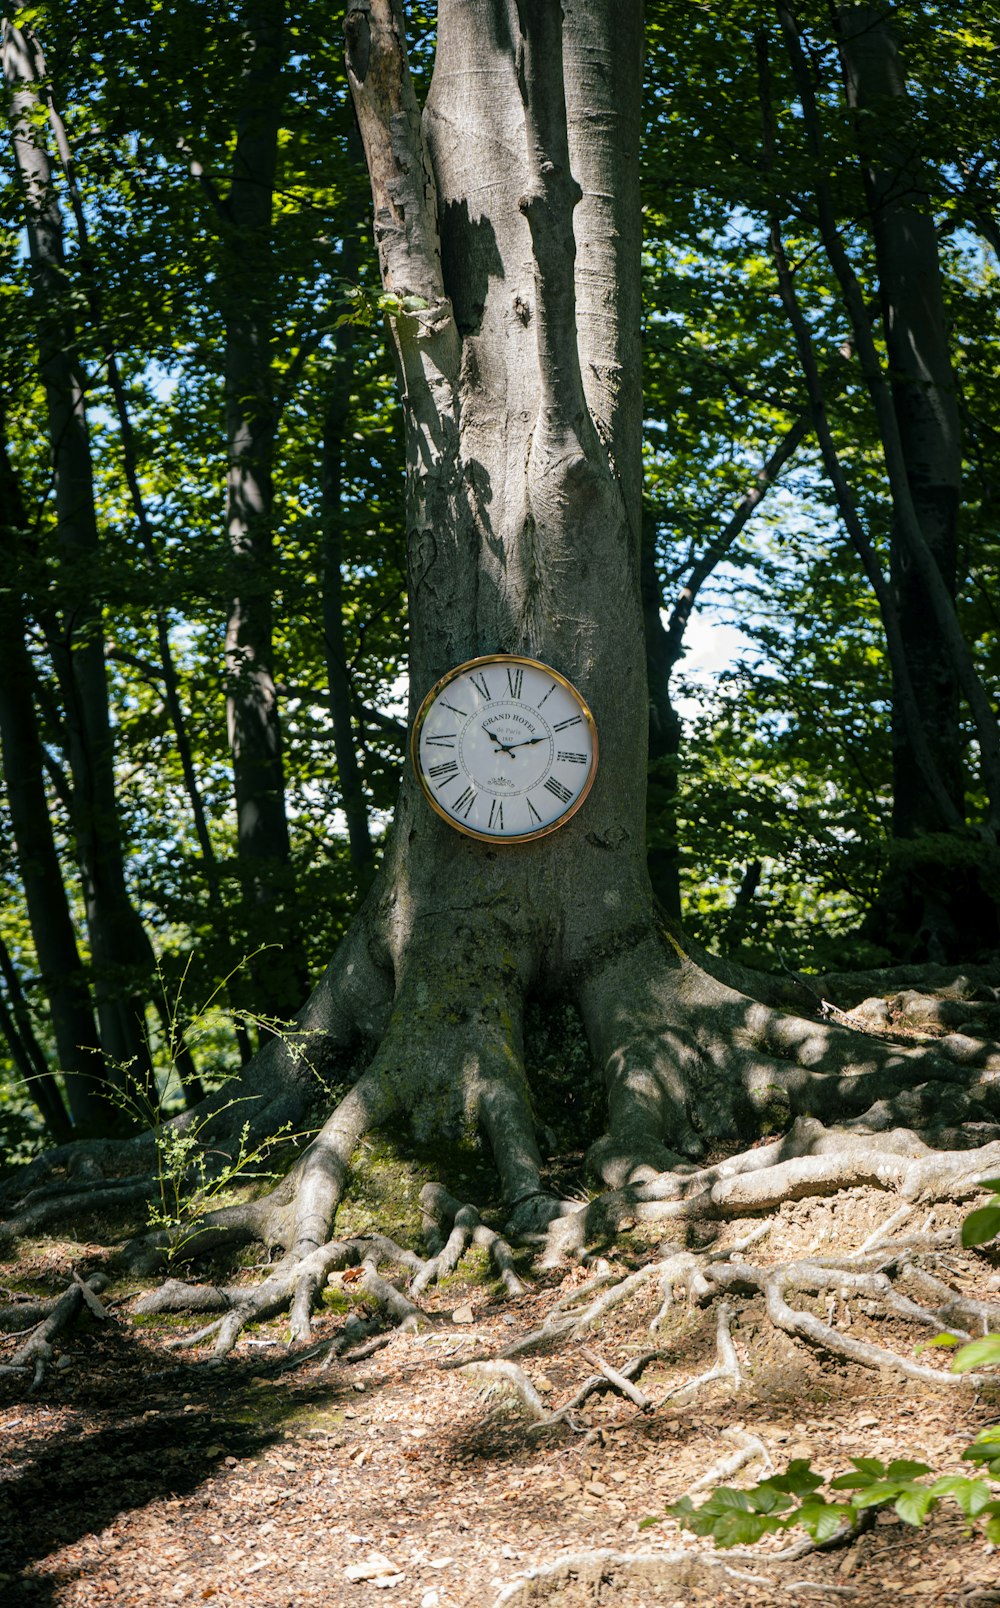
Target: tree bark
[924, 394]
[249, 285]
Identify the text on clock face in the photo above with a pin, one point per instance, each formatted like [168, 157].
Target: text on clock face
[490, 751]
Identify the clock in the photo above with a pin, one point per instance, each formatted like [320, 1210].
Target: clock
[505, 748]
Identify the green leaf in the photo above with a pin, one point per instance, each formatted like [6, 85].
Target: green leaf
[799, 1478]
[904, 1468]
[877, 1495]
[983, 1353]
[766, 1499]
[945, 1339]
[914, 1505]
[741, 1529]
[824, 1519]
[981, 1225]
[870, 1465]
[727, 1500]
[971, 1496]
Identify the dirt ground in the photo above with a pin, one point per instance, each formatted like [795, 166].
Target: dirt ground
[139, 1474]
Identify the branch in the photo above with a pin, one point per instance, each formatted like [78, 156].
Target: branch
[716, 551]
[403, 186]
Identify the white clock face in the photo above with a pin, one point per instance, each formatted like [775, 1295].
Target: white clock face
[505, 748]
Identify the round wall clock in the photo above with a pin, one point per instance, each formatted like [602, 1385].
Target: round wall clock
[505, 748]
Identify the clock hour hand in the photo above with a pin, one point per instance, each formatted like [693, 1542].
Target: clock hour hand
[495, 739]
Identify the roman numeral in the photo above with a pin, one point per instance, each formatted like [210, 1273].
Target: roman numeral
[572, 759]
[532, 811]
[496, 816]
[514, 680]
[479, 682]
[464, 713]
[560, 725]
[445, 772]
[549, 694]
[446, 740]
[468, 798]
[559, 790]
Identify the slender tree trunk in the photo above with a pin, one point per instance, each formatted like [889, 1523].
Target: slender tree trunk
[27, 1053]
[665, 735]
[249, 288]
[931, 904]
[938, 904]
[336, 419]
[120, 950]
[63, 977]
[924, 393]
[168, 669]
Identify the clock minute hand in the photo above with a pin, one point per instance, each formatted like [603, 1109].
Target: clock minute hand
[527, 743]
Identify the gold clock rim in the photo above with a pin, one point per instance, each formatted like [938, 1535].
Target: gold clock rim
[445, 681]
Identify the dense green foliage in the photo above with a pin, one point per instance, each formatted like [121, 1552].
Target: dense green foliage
[778, 801]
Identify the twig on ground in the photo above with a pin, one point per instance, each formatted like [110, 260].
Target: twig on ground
[619, 1382]
[820, 1585]
[885, 1228]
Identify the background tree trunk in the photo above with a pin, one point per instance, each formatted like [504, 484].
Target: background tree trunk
[121, 953]
[336, 419]
[250, 277]
[938, 901]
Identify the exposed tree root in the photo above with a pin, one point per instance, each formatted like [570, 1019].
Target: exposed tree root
[688, 1060]
[603, 1573]
[440, 1210]
[604, 1567]
[36, 1354]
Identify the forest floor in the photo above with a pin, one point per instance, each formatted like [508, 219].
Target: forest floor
[140, 1474]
